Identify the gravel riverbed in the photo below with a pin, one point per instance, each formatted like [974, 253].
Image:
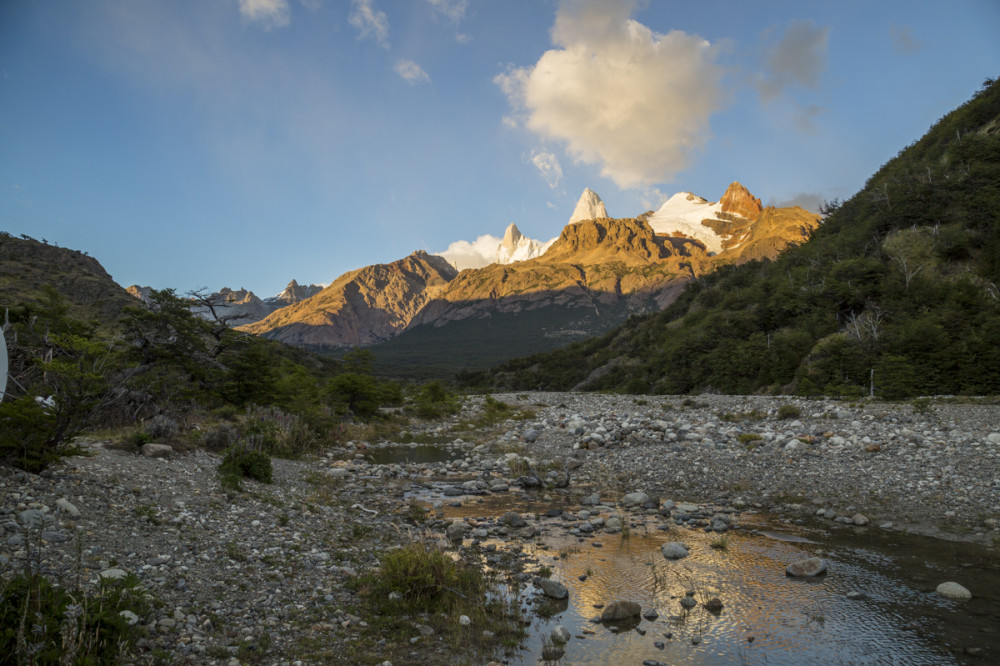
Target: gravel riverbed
[264, 576]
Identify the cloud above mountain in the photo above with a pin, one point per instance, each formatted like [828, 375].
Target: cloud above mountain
[615, 93]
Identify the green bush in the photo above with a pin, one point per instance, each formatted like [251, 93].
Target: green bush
[789, 412]
[242, 461]
[433, 401]
[420, 579]
[25, 428]
[44, 624]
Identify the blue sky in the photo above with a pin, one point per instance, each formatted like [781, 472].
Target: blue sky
[210, 143]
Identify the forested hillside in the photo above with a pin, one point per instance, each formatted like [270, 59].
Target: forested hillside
[898, 287]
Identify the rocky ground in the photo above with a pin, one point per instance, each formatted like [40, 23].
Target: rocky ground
[266, 575]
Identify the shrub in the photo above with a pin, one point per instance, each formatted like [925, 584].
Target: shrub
[241, 461]
[220, 438]
[161, 428]
[747, 437]
[420, 579]
[789, 412]
[43, 624]
[433, 400]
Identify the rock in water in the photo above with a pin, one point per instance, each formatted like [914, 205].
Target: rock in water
[552, 589]
[807, 568]
[674, 550]
[560, 635]
[620, 611]
[954, 591]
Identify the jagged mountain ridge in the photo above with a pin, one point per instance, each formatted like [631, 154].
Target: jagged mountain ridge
[361, 307]
[240, 306]
[598, 266]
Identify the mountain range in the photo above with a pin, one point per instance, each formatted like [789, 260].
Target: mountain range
[894, 295]
[594, 275]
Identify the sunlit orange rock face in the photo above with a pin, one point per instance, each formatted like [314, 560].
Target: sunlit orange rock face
[604, 265]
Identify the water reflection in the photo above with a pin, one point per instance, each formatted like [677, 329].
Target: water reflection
[893, 617]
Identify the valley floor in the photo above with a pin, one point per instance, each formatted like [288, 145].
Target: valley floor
[265, 576]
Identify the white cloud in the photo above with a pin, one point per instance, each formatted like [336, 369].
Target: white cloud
[369, 22]
[476, 254]
[411, 72]
[453, 10]
[268, 13]
[903, 41]
[312, 5]
[617, 94]
[798, 58]
[547, 165]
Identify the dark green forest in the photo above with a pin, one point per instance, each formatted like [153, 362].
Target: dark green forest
[897, 290]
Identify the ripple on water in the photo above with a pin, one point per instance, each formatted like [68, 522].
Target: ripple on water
[792, 621]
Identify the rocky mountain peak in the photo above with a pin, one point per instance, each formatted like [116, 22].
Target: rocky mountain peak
[511, 237]
[738, 199]
[294, 293]
[589, 207]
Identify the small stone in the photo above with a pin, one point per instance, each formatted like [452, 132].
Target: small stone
[552, 589]
[130, 618]
[456, 532]
[714, 605]
[860, 519]
[67, 507]
[113, 574]
[954, 591]
[635, 499]
[856, 596]
[560, 635]
[688, 602]
[513, 519]
[619, 611]
[651, 614]
[807, 568]
[464, 620]
[674, 550]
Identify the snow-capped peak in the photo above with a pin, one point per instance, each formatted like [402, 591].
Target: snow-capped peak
[683, 213]
[588, 207]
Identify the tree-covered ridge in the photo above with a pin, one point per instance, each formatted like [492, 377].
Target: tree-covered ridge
[898, 287]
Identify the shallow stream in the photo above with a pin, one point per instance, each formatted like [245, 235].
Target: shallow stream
[767, 617]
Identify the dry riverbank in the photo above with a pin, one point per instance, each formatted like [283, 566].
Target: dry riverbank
[269, 575]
